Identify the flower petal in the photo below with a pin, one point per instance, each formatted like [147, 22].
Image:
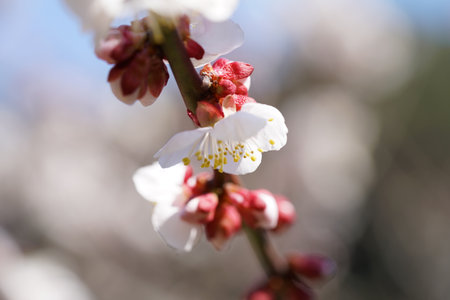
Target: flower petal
[175, 232]
[159, 185]
[216, 38]
[244, 165]
[238, 127]
[274, 134]
[180, 146]
[215, 10]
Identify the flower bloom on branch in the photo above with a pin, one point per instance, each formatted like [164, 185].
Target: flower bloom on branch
[168, 191]
[234, 129]
[234, 144]
[97, 15]
[139, 71]
[185, 205]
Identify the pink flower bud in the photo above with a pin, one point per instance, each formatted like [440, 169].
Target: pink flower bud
[208, 114]
[278, 287]
[238, 100]
[312, 266]
[235, 194]
[220, 63]
[260, 210]
[200, 209]
[119, 44]
[261, 294]
[229, 78]
[237, 70]
[194, 49]
[286, 213]
[200, 185]
[142, 78]
[225, 87]
[226, 223]
[297, 291]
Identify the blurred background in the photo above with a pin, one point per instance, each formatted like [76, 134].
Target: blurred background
[364, 86]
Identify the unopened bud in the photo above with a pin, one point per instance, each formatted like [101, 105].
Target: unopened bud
[237, 70]
[260, 210]
[140, 78]
[119, 45]
[261, 294]
[200, 209]
[226, 223]
[238, 100]
[312, 266]
[286, 213]
[208, 114]
[297, 291]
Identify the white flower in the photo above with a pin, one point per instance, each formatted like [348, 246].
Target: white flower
[97, 15]
[214, 10]
[210, 26]
[216, 38]
[164, 189]
[233, 145]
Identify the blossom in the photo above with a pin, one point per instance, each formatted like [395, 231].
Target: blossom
[168, 191]
[232, 145]
[97, 15]
[228, 78]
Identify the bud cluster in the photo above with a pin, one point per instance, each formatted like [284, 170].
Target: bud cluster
[139, 71]
[223, 207]
[229, 82]
[294, 282]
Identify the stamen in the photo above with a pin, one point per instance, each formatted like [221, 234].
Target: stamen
[186, 161]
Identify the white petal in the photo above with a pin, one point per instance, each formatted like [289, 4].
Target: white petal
[147, 99]
[269, 218]
[216, 38]
[175, 232]
[238, 127]
[246, 82]
[159, 185]
[215, 10]
[274, 134]
[244, 165]
[181, 145]
[116, 88]
[96, 15]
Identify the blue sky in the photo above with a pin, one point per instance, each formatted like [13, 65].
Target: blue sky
[34, 32]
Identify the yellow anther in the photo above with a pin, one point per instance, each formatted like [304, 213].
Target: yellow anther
[224, 160]
[272, 142]
[242, 146]
[219, 142]
[271, 119]
[253, 158]
[210, 156]
[260, 150]
[198, 153]
[186, 161]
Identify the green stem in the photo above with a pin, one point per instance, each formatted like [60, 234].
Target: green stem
[188, 80]
[263, 249]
